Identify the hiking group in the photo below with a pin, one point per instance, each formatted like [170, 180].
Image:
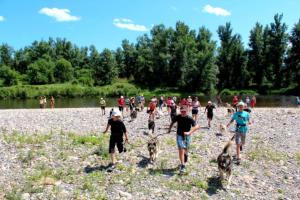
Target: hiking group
[187, 121]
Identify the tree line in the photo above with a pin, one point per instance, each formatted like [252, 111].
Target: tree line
[179, 57]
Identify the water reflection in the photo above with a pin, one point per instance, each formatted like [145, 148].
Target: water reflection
[262, 101]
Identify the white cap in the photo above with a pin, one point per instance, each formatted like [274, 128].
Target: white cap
[122, 97]
[209, 102]
[240, 104]
[116, 113]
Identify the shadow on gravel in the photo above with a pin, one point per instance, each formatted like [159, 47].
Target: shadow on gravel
[168, 171]
[214, 184]
[88, 169]
[144, 162]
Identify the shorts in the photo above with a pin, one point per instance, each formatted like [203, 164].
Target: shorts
[151, 125]
[103, 107]
[194, 111]
[210, 116]
[183, 142]
[115, 141]
[240, 138]
[121, 108]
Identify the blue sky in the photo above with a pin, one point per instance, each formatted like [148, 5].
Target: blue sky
[106, 23]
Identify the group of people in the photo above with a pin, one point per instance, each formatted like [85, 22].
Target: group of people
[186, 124]
[43, 102]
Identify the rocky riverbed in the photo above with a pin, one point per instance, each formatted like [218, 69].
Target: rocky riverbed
[62, 154]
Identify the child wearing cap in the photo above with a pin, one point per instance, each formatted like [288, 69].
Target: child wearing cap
[118, 130]
[242, 119]
[186, 126]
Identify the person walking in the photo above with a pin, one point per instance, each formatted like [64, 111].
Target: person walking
[121, 103]
[41, 102]
[235, 102]
[52, 102]
[242, 119]
[44, 102]
[118, 131]
[253, 102]
[186, 126]
[102, 105]
[248, 101]
[195, 108]
[209, 108]
[298, 102]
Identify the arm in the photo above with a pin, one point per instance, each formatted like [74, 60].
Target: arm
[126, 136]
[171, 125]
[230, 122]
[107, 127]
[193, 129]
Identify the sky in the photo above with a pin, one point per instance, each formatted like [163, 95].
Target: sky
[106, 23]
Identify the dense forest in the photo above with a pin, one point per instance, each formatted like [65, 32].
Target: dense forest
[179, 57]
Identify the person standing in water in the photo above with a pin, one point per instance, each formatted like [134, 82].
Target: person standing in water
[52, 102]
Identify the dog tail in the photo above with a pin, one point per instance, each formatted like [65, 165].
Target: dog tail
[227, 146]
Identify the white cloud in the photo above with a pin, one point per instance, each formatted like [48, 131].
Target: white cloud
[216, 10]
[2, 18]
[128, 24]
[60, 15]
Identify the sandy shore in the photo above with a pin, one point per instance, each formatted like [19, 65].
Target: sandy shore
[270, 167]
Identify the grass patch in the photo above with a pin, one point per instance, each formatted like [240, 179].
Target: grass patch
[21, 139]
[298, 158]
[268, 154]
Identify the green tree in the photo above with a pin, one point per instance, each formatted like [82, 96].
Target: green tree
[6, 55]
[293, 60]
[144, 72]
[40, 72]
[256, 64]
[232, 60]
[206, 62]
[130, 56]
[63, 70]
[106, 71]
[277, 48]
[8, 76]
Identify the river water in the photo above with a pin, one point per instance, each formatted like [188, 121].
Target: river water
[262, 101]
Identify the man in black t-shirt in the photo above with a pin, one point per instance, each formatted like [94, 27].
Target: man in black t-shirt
[185, 127]
[118, 129]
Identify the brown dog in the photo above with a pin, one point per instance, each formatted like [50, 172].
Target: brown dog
[153, 148]
[225, 163]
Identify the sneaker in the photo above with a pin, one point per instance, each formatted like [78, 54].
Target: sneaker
[182, 169]
[186, 156]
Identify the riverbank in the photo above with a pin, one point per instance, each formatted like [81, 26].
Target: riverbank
[121, 87]
[61, 154]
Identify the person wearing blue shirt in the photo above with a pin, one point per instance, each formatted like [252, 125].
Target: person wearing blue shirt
[242, 119]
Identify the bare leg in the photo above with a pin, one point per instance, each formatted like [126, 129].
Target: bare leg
[113, 158]
[181, 155]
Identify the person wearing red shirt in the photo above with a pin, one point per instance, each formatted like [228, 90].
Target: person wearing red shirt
[121, 103]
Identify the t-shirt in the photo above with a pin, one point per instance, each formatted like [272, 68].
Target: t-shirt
[152, 106]
[117, 127]
[184, 102]
[173, 110]
[210, 109]
[195, 105]
[121, 102]
[184, 124]
[242, 119]
[102, 102]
